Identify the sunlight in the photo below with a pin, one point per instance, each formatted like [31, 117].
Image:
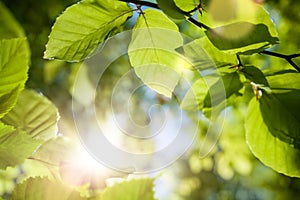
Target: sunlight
[81, 168]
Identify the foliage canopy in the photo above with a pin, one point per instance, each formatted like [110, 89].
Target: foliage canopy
[220, 57]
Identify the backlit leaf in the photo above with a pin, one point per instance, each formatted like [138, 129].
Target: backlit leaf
[8, 101]
[15, 146]
[211, 91]
[42, 188]
[186, 5]
[152, 52]
[13, 71]
[129, 190]
[78, 31]
[194, 98]
[46, 160]
[34, 114]
[204, 55]
[264, 124]
[284, 82]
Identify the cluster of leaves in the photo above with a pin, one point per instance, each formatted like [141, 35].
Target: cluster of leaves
[23, 129]
[28, 134]
[156, 49]
[33, 156]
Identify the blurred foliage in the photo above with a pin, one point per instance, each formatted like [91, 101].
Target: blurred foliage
[229, 172]
[37, 18]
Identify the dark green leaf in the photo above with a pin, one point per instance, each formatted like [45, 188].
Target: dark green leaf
[42, 188]
[242, 38]
[78, 31]
[194, 98]
[15, 146]
[255, 75]
[34, 114]
[272, 151]
[186, 5]
[281, 115]
[169, 7]
[211, 91]
[232, 85]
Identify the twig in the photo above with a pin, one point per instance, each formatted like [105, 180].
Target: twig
[286, 57]
[154, 5]
[142, 3]
[197, 23]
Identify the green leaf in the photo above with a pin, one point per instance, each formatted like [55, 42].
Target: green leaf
[232, 85]
[35, 168]
[169, 7]
[272, 151]
[186, 5]
[8, 101]
[281, 114]
[245, 26]
[46, 160]
[15, 146]
[152, 52]
[34, 114]
[9, 27]
[83, 26]
[129, 190]
[13, 71]
[42, 188]
[241, 38]
[54, 151]
[65, 159]
[239, 11]
[255, 75]
[204, 55]
[284, 82]
[211, 91]
[194, 98]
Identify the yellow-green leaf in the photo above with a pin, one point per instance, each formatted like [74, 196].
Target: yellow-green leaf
[83, 26]
[34, 114]
[15, 146]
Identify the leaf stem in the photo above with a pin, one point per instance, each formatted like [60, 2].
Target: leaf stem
[239, 60]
